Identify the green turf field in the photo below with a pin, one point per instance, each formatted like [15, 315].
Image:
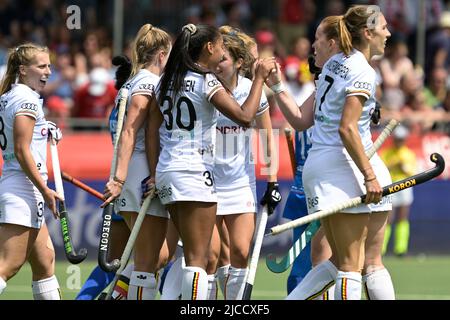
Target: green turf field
[418, 278]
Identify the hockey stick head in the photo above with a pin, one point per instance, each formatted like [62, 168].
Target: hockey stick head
[277, 267]
[104, 242]
[69, 250]
[76, 258]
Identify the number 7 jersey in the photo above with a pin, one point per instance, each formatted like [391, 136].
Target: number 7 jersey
[343, 76]
[188, 132]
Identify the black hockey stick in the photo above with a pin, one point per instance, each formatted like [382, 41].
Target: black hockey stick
[300, 244]
[390, 189]
[71, 254]
[108, 210]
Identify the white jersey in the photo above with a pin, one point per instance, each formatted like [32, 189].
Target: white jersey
[143, 83]
[234, 166]
[343, 76]
[188, 132]
[22, 100]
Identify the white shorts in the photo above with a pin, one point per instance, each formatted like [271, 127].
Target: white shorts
[131, 196]
[21, 202]
[186, 185]
[236, 200]
[330, 177]
[403, 198]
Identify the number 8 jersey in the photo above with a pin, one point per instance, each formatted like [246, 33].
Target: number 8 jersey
[343, 76]
[22, 100]
[188, 132]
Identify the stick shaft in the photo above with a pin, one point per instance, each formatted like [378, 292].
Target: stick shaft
[390, 189]
[81, 185]
[259, 237]
[131, 241]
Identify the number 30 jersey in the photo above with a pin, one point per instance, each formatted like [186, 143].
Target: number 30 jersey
[188, 132]
[343, 76]
[22, 100]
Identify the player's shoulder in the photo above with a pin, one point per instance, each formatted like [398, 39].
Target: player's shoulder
[22, 96]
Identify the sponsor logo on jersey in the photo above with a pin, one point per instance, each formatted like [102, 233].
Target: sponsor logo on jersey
[231, 129]
[213, 83]
[29, 106]
[146, 86]
[312, 202]
[362, 85]
[164, 192]
[322, 118]
[338, 69]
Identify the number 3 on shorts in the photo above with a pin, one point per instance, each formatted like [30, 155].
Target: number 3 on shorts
[209, 178]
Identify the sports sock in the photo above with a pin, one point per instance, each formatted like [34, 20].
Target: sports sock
[378, 285]
[163, 272]
[120, 291]
[348, 286]
[401, 237]
[221, 275]
[387, 236]
[318, 280]
[46, 289]
[212, 287]
[2, 285]
[97, 281]
[143, 286]
[195, 284]
[235, 283]
[172, 284]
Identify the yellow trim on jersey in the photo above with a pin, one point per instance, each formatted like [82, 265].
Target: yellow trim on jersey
[358, 92]
[26, 113]
[213, 92]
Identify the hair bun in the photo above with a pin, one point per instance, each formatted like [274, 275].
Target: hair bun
[120, 60]
[191, 28]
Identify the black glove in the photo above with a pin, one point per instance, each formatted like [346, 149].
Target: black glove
[272, 197]
[376, 115]
[313, 68]
[123, 71]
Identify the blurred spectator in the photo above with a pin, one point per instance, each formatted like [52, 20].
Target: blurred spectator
[393, 67]
[401, 162]
[418, 114]
[438, 47]
[436, 90]
[60, 82]
[57, 110]
[300, 86]
[295, 17]
[95, 99]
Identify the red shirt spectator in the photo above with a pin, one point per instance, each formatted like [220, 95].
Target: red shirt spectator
[96, 98]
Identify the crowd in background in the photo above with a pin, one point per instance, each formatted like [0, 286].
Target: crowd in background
[80, 91]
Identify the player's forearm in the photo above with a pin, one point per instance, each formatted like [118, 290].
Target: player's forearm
[352, 142]
[125, 149]
[294, 114]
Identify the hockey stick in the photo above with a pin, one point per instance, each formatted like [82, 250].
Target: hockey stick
[387, 190]
[81, 185]
[310, 231]
[130, 243]
[71, 254]
[108, 210]
[290, 143]
[259, 236]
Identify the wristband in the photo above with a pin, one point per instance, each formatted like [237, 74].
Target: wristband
[278, 88]
[118, 180]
